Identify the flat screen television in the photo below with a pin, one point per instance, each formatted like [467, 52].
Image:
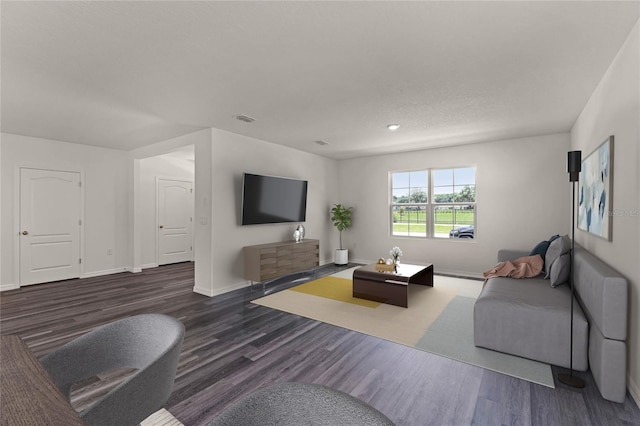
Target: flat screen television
[270, 199]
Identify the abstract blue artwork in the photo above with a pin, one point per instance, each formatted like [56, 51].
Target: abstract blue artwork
[594, 198]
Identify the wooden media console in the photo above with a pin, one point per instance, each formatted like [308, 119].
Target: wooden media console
[268, 261]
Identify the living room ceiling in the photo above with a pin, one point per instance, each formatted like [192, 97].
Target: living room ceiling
[127, 74]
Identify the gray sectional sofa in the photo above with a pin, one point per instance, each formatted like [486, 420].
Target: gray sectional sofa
[531, 319]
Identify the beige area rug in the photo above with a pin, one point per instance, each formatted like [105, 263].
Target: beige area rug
[387, 321]
[439, 320]
[161, 418]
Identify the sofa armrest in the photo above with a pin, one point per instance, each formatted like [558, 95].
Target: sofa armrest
[510, 254]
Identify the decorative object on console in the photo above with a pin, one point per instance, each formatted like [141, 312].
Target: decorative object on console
[573, 167]
[296, 236]
[301, 229]
[341, 218]
[596, 191]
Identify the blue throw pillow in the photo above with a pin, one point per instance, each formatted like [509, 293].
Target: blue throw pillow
[541, 249]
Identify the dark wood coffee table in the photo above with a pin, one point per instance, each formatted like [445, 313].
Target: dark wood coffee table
[390, 287]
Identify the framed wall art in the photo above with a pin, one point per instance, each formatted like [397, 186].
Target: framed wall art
[595, 199]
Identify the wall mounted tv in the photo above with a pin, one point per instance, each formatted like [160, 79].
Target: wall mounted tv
[270, 199]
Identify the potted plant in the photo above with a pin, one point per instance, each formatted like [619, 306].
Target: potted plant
[341, 218]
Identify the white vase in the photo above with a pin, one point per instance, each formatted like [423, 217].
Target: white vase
[301, 229]
[342, 256]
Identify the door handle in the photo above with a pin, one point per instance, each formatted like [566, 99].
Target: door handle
[25, 232]
[161, 226]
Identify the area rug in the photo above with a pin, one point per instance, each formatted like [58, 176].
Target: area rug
[333, 287]
[439, 320]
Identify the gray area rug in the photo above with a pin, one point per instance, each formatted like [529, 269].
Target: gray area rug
[451, 335]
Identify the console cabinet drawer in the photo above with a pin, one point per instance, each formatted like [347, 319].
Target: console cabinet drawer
[267, 261]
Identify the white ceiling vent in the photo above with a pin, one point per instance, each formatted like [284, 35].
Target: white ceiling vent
[245, 118]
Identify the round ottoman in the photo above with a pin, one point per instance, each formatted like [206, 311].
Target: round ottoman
[289, 404]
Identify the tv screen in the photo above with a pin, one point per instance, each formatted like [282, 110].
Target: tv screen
[270, 199]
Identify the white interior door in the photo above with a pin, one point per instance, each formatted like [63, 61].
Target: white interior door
[50, 222]
[175, 221]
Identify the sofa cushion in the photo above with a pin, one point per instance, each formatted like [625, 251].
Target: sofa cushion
[529, 318]
[557, 247]
[560, 269]
[603, 293]
[608, 364]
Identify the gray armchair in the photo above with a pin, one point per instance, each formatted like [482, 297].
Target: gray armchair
[150, 343]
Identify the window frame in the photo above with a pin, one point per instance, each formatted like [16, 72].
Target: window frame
[430, 205]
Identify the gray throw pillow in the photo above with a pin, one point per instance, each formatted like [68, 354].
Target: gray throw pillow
[557, 247]
[560, 270]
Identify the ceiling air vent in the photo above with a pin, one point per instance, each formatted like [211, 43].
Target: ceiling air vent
[245, 118]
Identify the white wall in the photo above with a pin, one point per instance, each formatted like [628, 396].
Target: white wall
[522, 192]
[151, 169]
[614, 109]
[106, 220]
[138, 212]
[232, 155]
[203, 236]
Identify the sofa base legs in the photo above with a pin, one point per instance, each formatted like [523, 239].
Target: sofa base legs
[571, 380]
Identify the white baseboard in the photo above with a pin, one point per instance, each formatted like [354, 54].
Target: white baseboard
[456, 273]
[92, 274]
[105, 272]
[231, 287]
[203, 291]
[149, 265]
[217, 291]
[634, 390]
[5, 287]
[133, 270]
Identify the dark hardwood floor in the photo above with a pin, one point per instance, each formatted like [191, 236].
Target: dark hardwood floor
[233, 347]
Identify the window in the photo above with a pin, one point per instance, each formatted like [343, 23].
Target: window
[409, 203]
[450, 210]
[454, 200]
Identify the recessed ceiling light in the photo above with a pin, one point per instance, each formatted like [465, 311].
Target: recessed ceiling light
[393, 127]
[321, 143]
[245, 118]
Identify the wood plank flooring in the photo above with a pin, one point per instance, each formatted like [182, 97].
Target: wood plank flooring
[233, 347]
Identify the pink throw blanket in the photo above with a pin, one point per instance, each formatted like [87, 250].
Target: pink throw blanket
[522, 267]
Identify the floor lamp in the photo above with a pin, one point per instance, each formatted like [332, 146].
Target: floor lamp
[574, 166]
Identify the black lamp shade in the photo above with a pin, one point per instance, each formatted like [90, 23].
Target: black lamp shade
[574, 165]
